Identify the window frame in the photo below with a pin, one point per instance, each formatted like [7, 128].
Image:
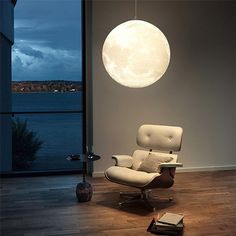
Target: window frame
[83, 111]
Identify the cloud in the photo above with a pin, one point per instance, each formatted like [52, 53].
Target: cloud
[47, 40]
[31, 52]
[56, 22]
[38, 62]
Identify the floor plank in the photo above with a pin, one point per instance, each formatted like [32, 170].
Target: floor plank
[48, 206]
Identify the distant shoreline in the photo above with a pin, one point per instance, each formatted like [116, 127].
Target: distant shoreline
[46, 92]
[53, 86]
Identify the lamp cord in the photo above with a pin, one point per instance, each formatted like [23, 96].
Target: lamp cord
[135, 9]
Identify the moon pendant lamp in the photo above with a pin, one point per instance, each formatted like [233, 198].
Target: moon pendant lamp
[136, 54]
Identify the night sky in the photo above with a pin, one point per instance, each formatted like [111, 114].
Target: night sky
[47, 40]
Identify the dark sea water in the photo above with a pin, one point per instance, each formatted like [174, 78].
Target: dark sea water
[61, 133]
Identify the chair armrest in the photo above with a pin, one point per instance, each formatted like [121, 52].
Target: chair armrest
[123, 160]
[168, 165]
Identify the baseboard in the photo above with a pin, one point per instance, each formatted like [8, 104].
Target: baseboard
[206, 168]
[98, 174]
[186, 169]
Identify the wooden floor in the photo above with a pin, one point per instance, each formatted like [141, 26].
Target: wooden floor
[48, 206]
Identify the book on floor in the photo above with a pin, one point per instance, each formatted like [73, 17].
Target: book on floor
[177, 227]
[168, 224]
[171, 218]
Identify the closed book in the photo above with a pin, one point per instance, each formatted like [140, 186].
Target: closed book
[171, 218]
[164, 226]
[166, 232]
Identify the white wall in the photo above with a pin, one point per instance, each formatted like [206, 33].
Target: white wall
[197, 91]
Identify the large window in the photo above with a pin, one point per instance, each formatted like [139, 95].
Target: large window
[47, 84]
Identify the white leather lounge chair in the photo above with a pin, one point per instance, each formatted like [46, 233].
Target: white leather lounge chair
[148, 169]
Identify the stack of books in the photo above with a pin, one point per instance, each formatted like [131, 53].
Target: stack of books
[168, 224]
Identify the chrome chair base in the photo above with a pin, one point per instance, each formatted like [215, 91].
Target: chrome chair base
[144, 195]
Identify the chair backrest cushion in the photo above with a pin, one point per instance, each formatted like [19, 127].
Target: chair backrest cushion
[160, 137]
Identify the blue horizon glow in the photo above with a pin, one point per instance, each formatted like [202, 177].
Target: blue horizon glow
[47, 40]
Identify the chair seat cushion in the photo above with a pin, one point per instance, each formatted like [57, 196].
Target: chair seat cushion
[130, 177]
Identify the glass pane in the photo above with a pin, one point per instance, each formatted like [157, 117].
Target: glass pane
[55, 136]
[47, 101]
[47, 45]
[47, 76]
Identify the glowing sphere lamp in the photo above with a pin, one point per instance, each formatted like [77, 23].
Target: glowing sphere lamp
[136, 54]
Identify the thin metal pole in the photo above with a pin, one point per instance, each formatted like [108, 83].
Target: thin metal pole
[135, 9]
[84, 171]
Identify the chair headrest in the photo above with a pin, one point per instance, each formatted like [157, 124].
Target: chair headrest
[160, 137]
